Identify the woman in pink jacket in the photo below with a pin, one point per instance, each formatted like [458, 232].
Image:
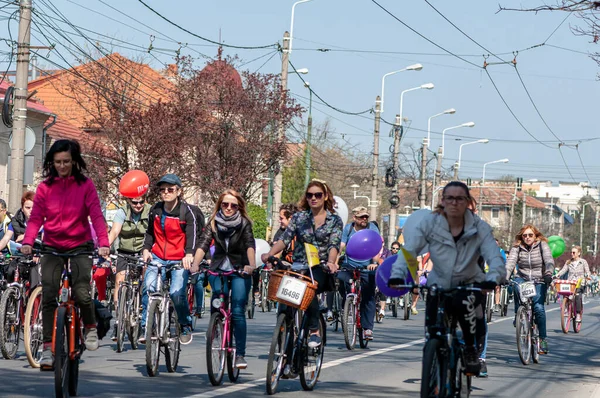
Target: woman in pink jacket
[63, 203]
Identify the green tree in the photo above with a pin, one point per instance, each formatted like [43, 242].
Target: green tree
[293, 180]
[258, 215]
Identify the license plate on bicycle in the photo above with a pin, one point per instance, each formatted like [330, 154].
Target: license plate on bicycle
[291, 289]
[564, 288]
[527, 289]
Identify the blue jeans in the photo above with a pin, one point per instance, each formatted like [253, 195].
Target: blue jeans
[239, 287]
[177, 290]
[367, 300]
[538, 305]
[199, 291]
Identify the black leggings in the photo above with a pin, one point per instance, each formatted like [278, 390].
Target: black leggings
[467, 309]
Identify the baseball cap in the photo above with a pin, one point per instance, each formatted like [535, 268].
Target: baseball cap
[360, 211]
[170, 179]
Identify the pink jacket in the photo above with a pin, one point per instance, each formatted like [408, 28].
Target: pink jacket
[63, 209]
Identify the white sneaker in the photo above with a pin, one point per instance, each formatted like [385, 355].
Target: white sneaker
[382, 313]
[91, 339]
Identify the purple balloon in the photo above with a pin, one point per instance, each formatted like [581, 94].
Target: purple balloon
[212, 250]
[364, 245]
[422, 281]
[382, 277]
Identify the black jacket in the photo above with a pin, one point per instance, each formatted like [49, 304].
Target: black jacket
[19, 224]
[239, 242]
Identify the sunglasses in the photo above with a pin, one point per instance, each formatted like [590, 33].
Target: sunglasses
[169, 190]
[137, 202]
[528, 235]
[573, 252]
[395, 249]
[232, 206]
[363, 217]
[316, 195]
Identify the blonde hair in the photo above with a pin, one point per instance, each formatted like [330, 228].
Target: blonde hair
[241, 206]
[578, 248]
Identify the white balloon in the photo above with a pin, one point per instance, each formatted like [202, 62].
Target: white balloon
[341, 208]
[411, 223]
[262, 247]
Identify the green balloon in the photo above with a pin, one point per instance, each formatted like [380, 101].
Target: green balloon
[557, 245]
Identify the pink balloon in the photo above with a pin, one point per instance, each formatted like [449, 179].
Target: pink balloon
[382, 276]
[364, 245]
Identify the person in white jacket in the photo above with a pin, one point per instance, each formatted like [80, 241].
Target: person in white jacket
[457, 238]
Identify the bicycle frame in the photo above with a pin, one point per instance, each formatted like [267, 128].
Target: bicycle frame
[225, 310]
[161, 294]
[355, 293]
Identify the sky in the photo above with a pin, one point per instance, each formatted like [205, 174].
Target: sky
[365, 43]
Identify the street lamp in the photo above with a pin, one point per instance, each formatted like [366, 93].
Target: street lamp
[292, 23]
[483, 178]
[411, 67]
[302, 71]
[426, 86]
[450, 111]
[468, 124]
[426, 141]
[457, 164]
[581, 219]
[370, 203]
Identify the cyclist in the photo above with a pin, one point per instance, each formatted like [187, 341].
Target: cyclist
[456, 238]
[317, 224]
[171, 239]
[577, 268]
[497, 292]
[63, 203]
[129, 226]
[6, 228]
[533, 257]
[19, 221]
[231, 229]
[367, 303]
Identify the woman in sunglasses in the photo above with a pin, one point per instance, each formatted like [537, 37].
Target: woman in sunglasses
[231, 229]
[577, 268]
[316, 224]
[129, 226]
[535, 263]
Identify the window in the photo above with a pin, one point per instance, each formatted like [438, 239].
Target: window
[495, 213]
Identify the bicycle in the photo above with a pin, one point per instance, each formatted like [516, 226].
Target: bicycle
[351, 322]
[490, 302]
[528, 341]
[128, 304]
[162, 324]
[504, 300]
[102, 263]
[196, 313]
[336, 307]
[393, 305]
[33, 330]
[265, 303]
[220, 340]
[250, 305]
[567, 291]
[406, 304]
[289, 354]
[378, 315]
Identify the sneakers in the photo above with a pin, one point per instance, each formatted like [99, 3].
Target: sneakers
[47, 361]
[314, 341]
[142, 336]
[368, 334]
[414, 311]
[186, 335]
[578, 318]
[497, 308]
[515, 321]
[543, 346]
[329, 316]
[240, 363]
[472, 365]
[114, 334]
[483, 373]
[382, 313]
[91, 339]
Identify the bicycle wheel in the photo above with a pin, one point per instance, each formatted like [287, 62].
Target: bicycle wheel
[276, 360]
[337, 305]
[565, 315]
[394, 307]
[74, 369]
[463, 381]
[134, 319]
[122, 316]
[523, 335]
[33, 328]
[349, 323]
[263, 296]
[433, 372]
[61, 353]
[153, 338]
[577, 325]
[407, 305]
[173, 348]
[250, 305]
[233, 373]
[535, 344]
[10, 325]
[489, 307]
[311, 367]
[215, 358]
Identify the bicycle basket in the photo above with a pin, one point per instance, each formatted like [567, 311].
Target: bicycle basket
[565, 288]
[291, 288]
[527, 290]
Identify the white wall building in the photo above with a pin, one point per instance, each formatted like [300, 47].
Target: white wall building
[569, 193]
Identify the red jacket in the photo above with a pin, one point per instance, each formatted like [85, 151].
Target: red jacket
[63, 209]
[178, 236]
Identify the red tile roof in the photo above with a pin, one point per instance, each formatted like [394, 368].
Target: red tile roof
[502, 197]
[31, 104]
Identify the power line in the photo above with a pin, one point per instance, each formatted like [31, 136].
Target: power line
[565, 162]
[581, 161]
[559, 25]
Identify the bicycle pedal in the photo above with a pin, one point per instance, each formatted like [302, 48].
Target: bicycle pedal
[46, 368]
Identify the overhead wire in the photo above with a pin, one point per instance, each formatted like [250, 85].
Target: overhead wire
[581, 161]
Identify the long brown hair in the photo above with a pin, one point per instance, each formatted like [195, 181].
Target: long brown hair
[241, 206]
[303, 203]
[538, 235]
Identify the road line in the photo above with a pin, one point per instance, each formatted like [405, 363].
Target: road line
[255, 383]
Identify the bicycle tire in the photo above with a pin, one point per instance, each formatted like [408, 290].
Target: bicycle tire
[173, 347]
[278, 346]
[489, 307]
[74, 369]
[214, 337]
[263, 297]
[535, 344]
[577, 325]
[309, 379]
[565, 315]
[122, 316]
[394, 307]
[153, 339]
[523, 336]
[433, 371]
[337, 305]
[10, 327]
[349, 323]
[233, 373]
[250, 305]
[61, 354]
[33, 328]
[134, 319]
[407, 305]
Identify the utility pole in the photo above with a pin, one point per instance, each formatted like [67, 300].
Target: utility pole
[524, 207]
[278, 185]
[596, 230]
[512, 215]
[308, 138]
[397, 134]
[423, 190]
[17, 153]
[375, 182]
[437, 178]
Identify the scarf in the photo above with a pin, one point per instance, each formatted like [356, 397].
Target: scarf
[228, 225]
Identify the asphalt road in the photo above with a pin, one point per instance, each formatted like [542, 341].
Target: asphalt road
[390, 367]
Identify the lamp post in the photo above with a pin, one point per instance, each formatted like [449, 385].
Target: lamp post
[457, 164]
[397, 135]
[483, 179]
[416, 67]
[437, 178]
[308, 136]
[581, 219]
[371, 204]
[292, 23]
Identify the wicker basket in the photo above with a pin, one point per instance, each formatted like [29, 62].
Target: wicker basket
[309, 291]
[565, 288]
